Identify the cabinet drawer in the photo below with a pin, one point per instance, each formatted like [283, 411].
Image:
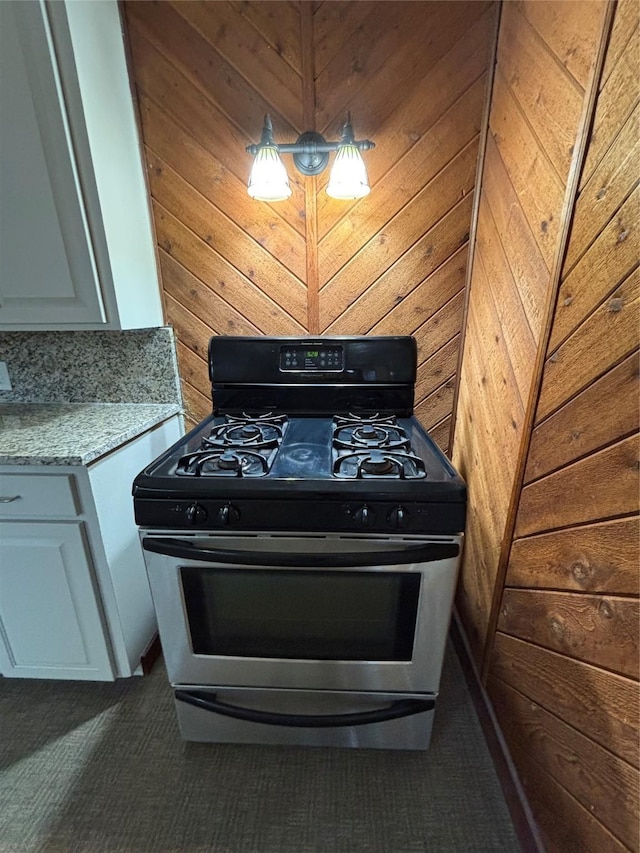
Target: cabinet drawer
[37, 495]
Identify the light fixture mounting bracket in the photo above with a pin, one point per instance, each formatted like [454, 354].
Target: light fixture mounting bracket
[307, 158]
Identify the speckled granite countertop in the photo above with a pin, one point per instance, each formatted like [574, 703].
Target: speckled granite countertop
[72, 433]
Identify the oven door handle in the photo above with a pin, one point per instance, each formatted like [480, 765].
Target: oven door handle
[412, 554]
[401, 708]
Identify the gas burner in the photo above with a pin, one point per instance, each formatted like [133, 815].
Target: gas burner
[237, 462]
[382, 464]
[377, 463]
[381, 433]
[256, 433]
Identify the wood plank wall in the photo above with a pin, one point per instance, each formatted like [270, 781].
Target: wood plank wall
[547, 419]
[546, 53]
[564, 670]
[413, 76]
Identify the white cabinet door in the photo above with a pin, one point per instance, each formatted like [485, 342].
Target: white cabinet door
[50, 620]
[76, 240]
[47, 268]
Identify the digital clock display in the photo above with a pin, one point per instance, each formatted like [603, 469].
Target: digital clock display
[323, 359]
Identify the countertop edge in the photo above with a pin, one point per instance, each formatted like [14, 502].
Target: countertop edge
[90, 451]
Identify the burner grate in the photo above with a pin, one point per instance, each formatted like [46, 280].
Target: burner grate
[256, 433]
[225, 463]
[378, 464]
[242, 446]
[375, 446]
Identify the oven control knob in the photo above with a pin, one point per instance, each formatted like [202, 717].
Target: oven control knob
[398, 517]
[227, 515]
[363, 517]
[196, 514]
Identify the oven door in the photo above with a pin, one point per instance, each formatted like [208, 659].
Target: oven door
[322, 612]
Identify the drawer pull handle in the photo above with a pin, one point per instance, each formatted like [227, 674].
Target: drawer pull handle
[10, 500]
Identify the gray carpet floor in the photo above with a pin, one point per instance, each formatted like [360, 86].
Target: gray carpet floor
[100, 768]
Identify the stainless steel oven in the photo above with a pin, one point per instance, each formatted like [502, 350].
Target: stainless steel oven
[326, 615]
[303, 558]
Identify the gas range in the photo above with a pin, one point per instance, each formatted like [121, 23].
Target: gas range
[317, 456]
[302, 545]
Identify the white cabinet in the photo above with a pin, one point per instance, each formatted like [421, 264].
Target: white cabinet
[49, 612]
[76, 242]
[74, 596]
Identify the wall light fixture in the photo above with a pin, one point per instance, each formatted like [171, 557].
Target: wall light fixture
[268, 180]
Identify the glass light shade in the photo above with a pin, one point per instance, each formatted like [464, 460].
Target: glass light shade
[348, 177]
[268, 180]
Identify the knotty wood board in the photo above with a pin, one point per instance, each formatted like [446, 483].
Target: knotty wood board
[279, 24]
[436, 406]
[605, 785]
[474, 594]
[625, 25]
[598, 629]
[189, 329]
[494, 406]
[441, 326]
[440, 434]
[571, 31]
[601, 414]
[222, 318]
[539, 188]
[366, 72]
[569, 633]
[194, 254]
[494, 372]
[606, 190]
[616, 102]
[355, 63]
[429, 102]
[440, 367]
[238, 42]
[600, 704]
[425, 300]
[483, 424]
[334, 25]
[228, 241]
[390, 287]
[607, 336]
[194, 370]
[565, 825]
[428, 157]
[608, 262]
[527, 265]
[552, 102]
[601, 557]
[519, 340]
[404, 232]
[207, 69]
[196, 405]
[597, 487]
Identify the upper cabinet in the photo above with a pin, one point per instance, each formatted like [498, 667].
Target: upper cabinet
[76, 243]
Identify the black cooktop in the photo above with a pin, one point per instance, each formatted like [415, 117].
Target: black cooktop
[306, 434]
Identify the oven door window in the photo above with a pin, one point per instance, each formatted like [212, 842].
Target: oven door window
[308, 615]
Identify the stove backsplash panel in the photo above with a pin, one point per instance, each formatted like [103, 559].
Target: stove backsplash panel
[137, 366]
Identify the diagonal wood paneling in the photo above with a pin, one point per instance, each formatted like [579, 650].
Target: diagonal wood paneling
[563, 672]
[537, 106]
[414, 77]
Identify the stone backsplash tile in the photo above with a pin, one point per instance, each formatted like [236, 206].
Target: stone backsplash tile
[137, 366]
